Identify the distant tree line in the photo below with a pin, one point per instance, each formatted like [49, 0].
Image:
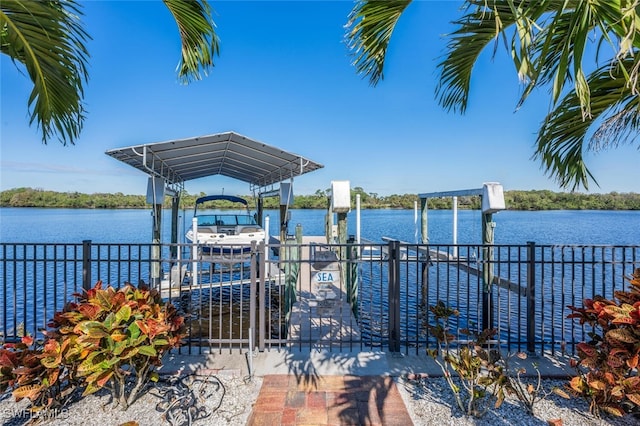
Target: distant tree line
[515, 200]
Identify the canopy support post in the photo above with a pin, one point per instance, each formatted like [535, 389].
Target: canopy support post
[154, 276]
[260, 212]
[175, 204]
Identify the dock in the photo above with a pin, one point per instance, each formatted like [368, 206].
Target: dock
[321, 312]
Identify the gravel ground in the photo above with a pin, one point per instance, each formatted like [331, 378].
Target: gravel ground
[223, 400]
[228, 401]
[430, 401]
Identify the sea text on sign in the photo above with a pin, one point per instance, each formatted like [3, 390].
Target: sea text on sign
[324, 277]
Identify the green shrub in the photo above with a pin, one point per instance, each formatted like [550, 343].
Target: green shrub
[481, 374]
[484, 373]
[607, 370]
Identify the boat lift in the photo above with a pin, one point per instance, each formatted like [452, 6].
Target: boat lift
[171, 163]
[492, 196]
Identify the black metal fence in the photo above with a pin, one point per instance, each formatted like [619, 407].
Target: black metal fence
[330, 296]
[521, 290]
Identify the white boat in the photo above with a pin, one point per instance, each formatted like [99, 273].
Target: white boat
[223, 235]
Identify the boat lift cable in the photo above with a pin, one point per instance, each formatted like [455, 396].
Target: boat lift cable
[302, 166]
[172, 177]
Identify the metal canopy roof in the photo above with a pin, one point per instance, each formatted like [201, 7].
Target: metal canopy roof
[228, 154]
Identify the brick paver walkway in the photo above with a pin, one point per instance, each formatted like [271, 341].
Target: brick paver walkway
[329, 400]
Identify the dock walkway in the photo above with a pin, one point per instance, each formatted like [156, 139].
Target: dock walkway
[321, 315]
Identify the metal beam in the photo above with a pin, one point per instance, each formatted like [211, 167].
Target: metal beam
[459, 193]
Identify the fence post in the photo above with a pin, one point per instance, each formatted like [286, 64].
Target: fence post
[531, 297]
[252, 295]
[352, 275]
[262, 295]
[394, 296]
[488, 226]
[86, 264]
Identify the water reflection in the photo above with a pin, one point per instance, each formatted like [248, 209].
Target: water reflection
[223, 312]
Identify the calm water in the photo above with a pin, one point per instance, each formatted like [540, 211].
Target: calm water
[512, 227]
[30, 225]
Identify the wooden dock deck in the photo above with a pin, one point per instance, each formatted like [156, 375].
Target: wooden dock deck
[322, 323]
[321, 315]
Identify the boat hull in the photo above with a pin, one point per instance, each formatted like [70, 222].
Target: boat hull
[216, 244]
[228, 235]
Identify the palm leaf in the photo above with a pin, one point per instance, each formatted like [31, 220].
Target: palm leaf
[548, 41]
[476, 30]
[369, 30]
[614, 115]
[197, 33]
[559, 46]
[47, 39]
[483, 23]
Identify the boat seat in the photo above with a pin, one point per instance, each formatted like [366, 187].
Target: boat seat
[211, 229]
[248, 229]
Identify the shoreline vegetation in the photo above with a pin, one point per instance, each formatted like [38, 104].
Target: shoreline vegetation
[514, 200]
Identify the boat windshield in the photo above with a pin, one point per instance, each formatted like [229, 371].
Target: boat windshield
[225, 220]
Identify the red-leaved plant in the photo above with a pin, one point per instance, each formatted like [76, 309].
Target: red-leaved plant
[608, 366]
[47, 385]
[107, 338]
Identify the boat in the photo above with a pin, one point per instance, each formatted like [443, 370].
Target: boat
[227, 236]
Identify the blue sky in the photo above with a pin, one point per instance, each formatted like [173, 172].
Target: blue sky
[284, 78]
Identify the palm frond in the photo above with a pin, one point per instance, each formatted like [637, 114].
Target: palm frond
[483, 23]
[621, 124]
[562, 139]
[48, 39]
[479, 27]
[368, 32]
[547, 40]
[547, 50]
[200, 42]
